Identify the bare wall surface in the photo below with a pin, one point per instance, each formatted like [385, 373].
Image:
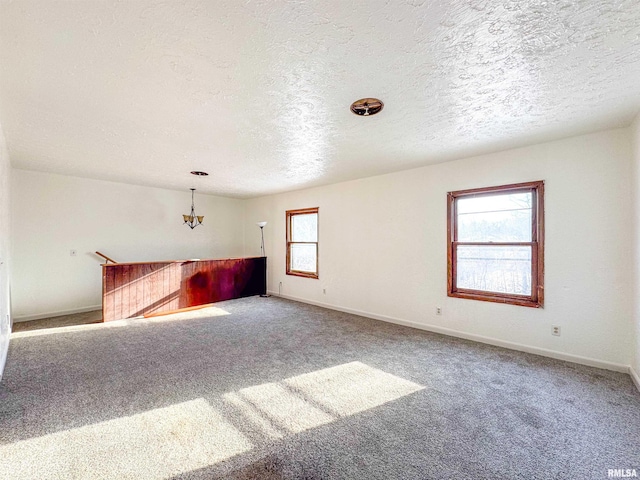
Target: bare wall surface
[635, 135]
[55, 214]
[5, 298]
[383, 246]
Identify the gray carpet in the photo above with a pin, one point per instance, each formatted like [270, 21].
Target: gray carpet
[94, 316]
[274, 389]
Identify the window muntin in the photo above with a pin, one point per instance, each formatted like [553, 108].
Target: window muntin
[302, 242]
[495, 238]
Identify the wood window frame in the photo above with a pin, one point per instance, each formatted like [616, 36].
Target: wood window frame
[536, 299]
[289, 215]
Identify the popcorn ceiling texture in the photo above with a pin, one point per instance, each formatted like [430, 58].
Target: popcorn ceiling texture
[258, 93]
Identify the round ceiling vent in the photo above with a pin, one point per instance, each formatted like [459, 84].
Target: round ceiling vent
[200, 174]
[367, 106]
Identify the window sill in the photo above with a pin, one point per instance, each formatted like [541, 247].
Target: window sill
[295, 273]
[507, 299]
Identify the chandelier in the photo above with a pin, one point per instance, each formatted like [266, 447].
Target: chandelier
[193, 220]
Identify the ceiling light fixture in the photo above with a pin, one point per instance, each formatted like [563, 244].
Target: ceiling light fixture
[192, 219]
[367, 106]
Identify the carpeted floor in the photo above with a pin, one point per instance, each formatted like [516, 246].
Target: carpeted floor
[274, 389]
[84, 318]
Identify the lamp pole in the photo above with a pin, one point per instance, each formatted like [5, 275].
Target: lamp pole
[263, 254]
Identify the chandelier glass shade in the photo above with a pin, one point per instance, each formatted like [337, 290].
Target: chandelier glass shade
[193, 220]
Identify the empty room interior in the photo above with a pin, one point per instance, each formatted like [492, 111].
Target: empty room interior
[319, 239]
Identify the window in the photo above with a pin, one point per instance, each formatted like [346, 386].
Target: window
[496, 244]
[302, 242]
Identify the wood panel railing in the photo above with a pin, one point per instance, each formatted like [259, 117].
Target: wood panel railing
[105, 257]
[137, 289]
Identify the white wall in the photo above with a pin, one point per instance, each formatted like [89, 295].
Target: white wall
[383, 247]
[5, 263]
[382, 243]
[53, 214]
[635, 132]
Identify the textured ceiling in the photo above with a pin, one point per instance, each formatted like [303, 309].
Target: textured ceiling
[257, 93]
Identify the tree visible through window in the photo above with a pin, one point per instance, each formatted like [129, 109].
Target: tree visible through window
[302, 242]
[495, 238]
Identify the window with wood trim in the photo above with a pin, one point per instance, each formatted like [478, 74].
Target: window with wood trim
[496, 244]
[302, 242]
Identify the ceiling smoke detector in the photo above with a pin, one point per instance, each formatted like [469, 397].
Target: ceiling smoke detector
[367, 106]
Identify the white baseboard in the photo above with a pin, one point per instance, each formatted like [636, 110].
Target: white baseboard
[38, 316]
[635, 377]
[592, 362]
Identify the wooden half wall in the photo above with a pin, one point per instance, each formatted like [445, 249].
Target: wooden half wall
[136, 289]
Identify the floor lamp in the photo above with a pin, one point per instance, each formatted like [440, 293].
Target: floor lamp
[263, 254]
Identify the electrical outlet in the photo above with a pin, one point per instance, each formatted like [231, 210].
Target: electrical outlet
[555, 330]
[73, 253]
[438, 311]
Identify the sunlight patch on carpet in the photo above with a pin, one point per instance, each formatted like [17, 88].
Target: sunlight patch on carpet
[192, 435]
[313, 399]
[155, 444]
[129, 322]
[351, 388]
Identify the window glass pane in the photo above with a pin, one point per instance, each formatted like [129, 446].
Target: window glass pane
[303, 257]
[504, 269]
[304, 227]
[495, 218]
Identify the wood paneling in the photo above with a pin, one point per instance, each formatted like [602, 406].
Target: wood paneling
[136, 289]
[108, 282]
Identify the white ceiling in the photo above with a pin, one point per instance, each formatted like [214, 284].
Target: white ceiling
[257, 93]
